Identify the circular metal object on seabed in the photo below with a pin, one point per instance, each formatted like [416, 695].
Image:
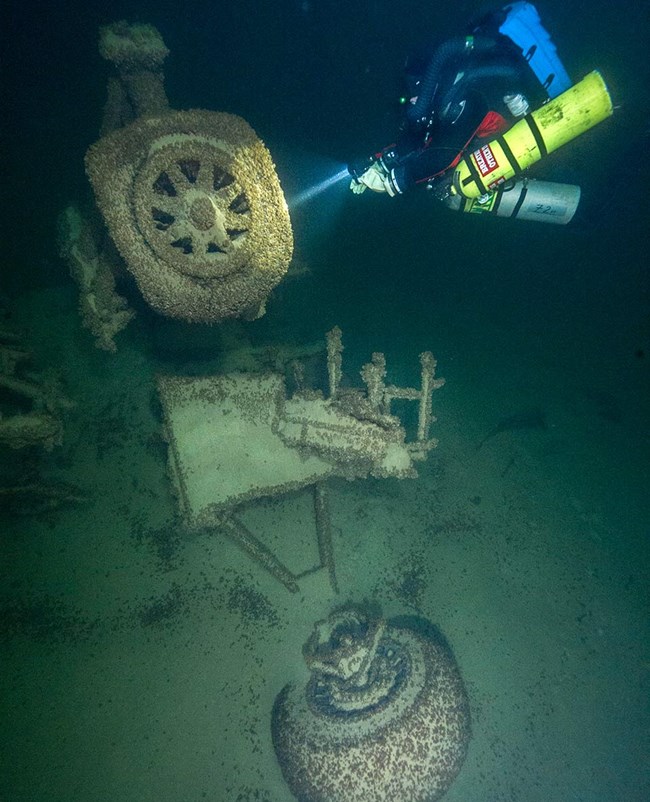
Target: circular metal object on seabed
[383, 717]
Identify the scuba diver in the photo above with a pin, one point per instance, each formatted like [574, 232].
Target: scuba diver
[468, 133]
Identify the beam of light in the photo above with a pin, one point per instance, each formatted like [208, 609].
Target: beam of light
[318, 187]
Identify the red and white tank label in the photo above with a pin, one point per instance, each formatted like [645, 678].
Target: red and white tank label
[485, 160]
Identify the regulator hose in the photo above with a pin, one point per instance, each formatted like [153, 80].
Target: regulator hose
[479, 73]
[418, 113]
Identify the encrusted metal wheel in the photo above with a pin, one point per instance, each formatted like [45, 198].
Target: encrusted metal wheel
[192, 210]
[194, 205]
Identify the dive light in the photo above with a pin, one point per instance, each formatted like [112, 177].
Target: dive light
[358, 167]
[388, 159]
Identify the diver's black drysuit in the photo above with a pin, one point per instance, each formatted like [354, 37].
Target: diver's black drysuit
[457, 95]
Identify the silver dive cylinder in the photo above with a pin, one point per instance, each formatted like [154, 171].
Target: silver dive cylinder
[524, 199]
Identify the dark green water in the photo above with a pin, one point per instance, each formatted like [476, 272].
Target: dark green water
[140, 665]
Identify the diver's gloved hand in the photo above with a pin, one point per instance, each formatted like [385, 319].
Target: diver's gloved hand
[357, 187]
[376, 178]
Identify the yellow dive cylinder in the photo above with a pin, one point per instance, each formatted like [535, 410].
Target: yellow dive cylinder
[533, 137]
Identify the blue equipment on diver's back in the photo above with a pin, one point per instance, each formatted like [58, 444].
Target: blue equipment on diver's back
[523, 26]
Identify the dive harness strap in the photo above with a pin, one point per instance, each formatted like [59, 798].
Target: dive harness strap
[474, 176]
[519, 204]
[498, 197]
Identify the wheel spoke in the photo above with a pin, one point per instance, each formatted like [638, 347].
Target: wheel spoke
[228, 194]
[178, 178]
[232, 220]
[205, 178]
[176, 231]
[165, 206]
[215, 244]
[162, 219]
